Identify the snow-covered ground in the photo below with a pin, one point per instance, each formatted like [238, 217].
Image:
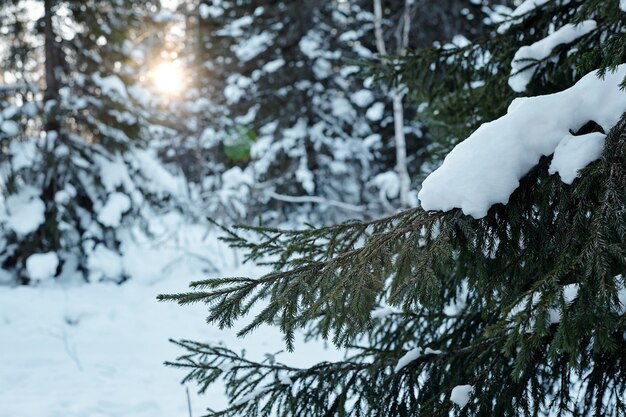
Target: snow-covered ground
[97, 350]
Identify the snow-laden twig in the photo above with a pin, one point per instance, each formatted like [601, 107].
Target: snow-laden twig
[70, 349]
[188, 402]
[316, 200]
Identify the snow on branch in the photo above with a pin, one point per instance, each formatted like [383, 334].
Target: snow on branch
[486, 168]
[524, 62]
[524, 8]
[316, 200]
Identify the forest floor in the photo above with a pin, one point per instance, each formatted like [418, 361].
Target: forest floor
[97, 350]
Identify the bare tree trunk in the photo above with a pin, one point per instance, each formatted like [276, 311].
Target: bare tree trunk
[48, 233]
[50, 68]
[398, 114]
[406, 25]
[397, 95]
[401, 159]
[378, 28]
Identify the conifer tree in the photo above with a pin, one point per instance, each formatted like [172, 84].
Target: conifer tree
[281, 121]
[282, 112]
[73, 171]
[505, 296]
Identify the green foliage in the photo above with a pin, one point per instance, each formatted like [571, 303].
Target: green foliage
[491, 297]
[327, 281]
[467, 86]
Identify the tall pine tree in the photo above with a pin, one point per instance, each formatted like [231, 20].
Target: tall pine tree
[73, 169]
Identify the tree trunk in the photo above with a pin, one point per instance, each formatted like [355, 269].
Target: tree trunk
[397, 94]
[48, 232]
[378, 28]
[398, 113]
[401, 160]
[51, 63]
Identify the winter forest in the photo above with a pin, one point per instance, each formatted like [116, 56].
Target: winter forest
[313, 208]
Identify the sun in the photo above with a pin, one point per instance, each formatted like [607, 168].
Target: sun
[168, 78]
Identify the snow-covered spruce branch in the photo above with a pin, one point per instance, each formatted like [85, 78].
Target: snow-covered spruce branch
[274, 241]
[532, 266]
[250, 382]
[224, 360]
[331, 279]
[311, 271]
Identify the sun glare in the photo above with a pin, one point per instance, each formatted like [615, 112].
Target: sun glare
[168, 78]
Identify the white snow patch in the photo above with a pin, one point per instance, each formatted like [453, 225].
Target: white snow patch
[113, 173]
[460, 395]
[362, 51]
[250, 396]
[310, 44]
[570, 292]
[382, 312]
[375, 113]
[284, 378]
[25, 211]
[23, 153]
[253, 46]
[9, 111]
[388, 184]
[233, 93]
[100, 337]
[65, 195]
[408, 357]
[235, 178]
[486, 168]
[236, 184]
[10, 127]
[104, 263]
[111, 83]
[29, 109]
[525, 7]
[274, 65]
[162, 181]
[111, 214]
[206, 11]
[621, 294]
[342, 109]
[322, 68]
[363, 98]
[573, 153]
[236, 87]
[522, 66]
[236, 27]
[460, 41]
[305, 177]
[622, 5]
[42, 266]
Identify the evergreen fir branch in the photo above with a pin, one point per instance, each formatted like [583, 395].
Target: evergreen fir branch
[485, 296]
[501, 260]
[474, 77]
